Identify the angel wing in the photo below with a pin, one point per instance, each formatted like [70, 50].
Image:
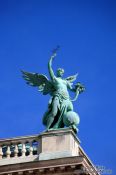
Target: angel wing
[40, 81]
[72, 78]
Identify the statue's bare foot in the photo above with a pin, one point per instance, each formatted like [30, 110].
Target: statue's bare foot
[49, 129]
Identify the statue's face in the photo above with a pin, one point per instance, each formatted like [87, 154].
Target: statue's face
[60, 72]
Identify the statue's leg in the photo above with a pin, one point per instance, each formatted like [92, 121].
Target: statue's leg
[45, 117]
[53, 113]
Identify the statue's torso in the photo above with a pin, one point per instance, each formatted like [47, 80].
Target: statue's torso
[61, 87]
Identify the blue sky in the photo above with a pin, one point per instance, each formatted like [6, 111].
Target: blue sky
[86, 32]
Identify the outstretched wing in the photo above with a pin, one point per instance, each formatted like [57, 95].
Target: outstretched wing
[72, 78]
[38, 80]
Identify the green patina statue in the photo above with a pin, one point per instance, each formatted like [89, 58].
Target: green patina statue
[60, 108]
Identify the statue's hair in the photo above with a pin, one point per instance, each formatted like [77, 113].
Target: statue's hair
[60, 69]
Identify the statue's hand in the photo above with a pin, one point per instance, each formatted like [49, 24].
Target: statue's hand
[79, 88]
[53, 56]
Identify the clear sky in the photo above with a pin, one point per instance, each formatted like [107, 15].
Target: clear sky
[86, 32]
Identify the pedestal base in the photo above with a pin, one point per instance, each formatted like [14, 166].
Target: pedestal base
[58, 144]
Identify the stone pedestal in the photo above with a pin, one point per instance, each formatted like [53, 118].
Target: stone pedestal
[58, 144]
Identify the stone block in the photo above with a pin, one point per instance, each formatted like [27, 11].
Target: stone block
[57, 144]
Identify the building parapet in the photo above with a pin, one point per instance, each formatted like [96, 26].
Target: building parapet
[47, 151]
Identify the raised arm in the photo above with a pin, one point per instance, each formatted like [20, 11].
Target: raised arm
[52, 76]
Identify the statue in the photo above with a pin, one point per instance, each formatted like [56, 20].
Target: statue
[60, 108]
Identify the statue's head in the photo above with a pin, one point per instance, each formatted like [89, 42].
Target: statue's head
[60, 72]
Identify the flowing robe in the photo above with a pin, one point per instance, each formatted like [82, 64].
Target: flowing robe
[62, 105]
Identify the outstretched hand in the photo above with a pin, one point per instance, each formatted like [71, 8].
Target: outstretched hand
[53, 55]
[79, 87]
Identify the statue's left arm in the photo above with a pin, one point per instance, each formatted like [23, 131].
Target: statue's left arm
[78, 88]
[69, 85]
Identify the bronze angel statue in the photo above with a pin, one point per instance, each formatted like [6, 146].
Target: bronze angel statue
[60, 108]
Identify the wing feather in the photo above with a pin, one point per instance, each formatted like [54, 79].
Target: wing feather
[72, 78]
[38, 80]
